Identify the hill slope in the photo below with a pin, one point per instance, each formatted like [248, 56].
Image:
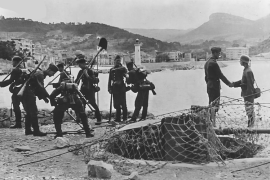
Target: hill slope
[160, 34]
[222, 26]
[119, 39]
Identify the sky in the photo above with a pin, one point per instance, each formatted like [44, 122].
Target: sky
[145, 14]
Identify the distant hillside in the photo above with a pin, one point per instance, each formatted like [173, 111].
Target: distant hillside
[119, 39]
[160, 34]
[222, 26]
[263, 47]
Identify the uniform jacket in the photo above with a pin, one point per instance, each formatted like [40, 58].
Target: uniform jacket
[87, 83]
[116, 79]
[213, 74]
[246, 83]
[36, 85]
[14, 77]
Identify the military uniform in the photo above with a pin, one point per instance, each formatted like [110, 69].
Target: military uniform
[88, 89]
[142, 96]
[35, 88]
[117, 87]
[213, 75]
[69, 99]
[15, 81]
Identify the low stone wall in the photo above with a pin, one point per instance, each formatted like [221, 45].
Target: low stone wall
[45, 116]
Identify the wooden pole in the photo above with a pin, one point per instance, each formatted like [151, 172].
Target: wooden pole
[228, 131]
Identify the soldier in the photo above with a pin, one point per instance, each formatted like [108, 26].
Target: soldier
[63, 73]
[15, 81]
[137, 78]
[117, 87]
[246, 84]
[69, 99]
[35, 88]
[213, 75]
[88, 89]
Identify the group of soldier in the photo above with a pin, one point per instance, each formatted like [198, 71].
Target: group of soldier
[73, 97]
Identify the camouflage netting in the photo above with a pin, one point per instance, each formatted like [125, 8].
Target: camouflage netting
[185, 136]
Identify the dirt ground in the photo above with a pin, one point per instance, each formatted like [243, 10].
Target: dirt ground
[70, 166]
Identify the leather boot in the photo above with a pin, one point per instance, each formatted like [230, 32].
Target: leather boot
[124, 113]
[18, 123]
[118, 115]
[28, 130]
[37, 132]
[85, 125]
[57, 119]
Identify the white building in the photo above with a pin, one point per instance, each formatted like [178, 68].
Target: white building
[234, 53]
[24, 44]
[175, 55]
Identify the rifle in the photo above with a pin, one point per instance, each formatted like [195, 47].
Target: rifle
[14, 68]
[103, 44]
[20, 94]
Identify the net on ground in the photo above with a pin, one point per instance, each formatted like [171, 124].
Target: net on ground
[187, 136]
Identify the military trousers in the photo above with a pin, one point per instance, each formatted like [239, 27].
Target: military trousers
[59, 111]
[141, 101]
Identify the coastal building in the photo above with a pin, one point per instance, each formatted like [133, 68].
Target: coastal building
[234, 53]
[24, 44]
[175, 56]
[187, 57]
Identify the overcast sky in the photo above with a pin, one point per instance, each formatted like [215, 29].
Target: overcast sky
[147, 14]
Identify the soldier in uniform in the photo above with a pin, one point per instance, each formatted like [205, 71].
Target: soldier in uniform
[63, 73]
[88, 89]
[35, 88]
[117, 87]
[213, 75]
[136, 77]
[247, 86]
[69, 99]
[15, 81]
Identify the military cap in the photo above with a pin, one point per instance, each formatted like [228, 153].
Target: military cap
[60, 64]
[245, 58]
[117, 57]
[80, 59]
[215, 49]
[53, 67]
[16, 58]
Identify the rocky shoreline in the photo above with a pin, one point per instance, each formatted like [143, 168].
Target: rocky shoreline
[45, 116]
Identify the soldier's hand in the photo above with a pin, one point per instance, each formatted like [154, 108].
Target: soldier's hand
[46, 100]
[110, 91]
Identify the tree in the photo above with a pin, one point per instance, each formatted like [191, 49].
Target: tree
[162, 57]
[7, 49]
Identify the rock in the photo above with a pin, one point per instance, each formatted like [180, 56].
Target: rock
[133, 176]
[99, 169]
[61, 142]
[22, 148]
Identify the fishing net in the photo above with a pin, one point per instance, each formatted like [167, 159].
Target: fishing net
[189, 136]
